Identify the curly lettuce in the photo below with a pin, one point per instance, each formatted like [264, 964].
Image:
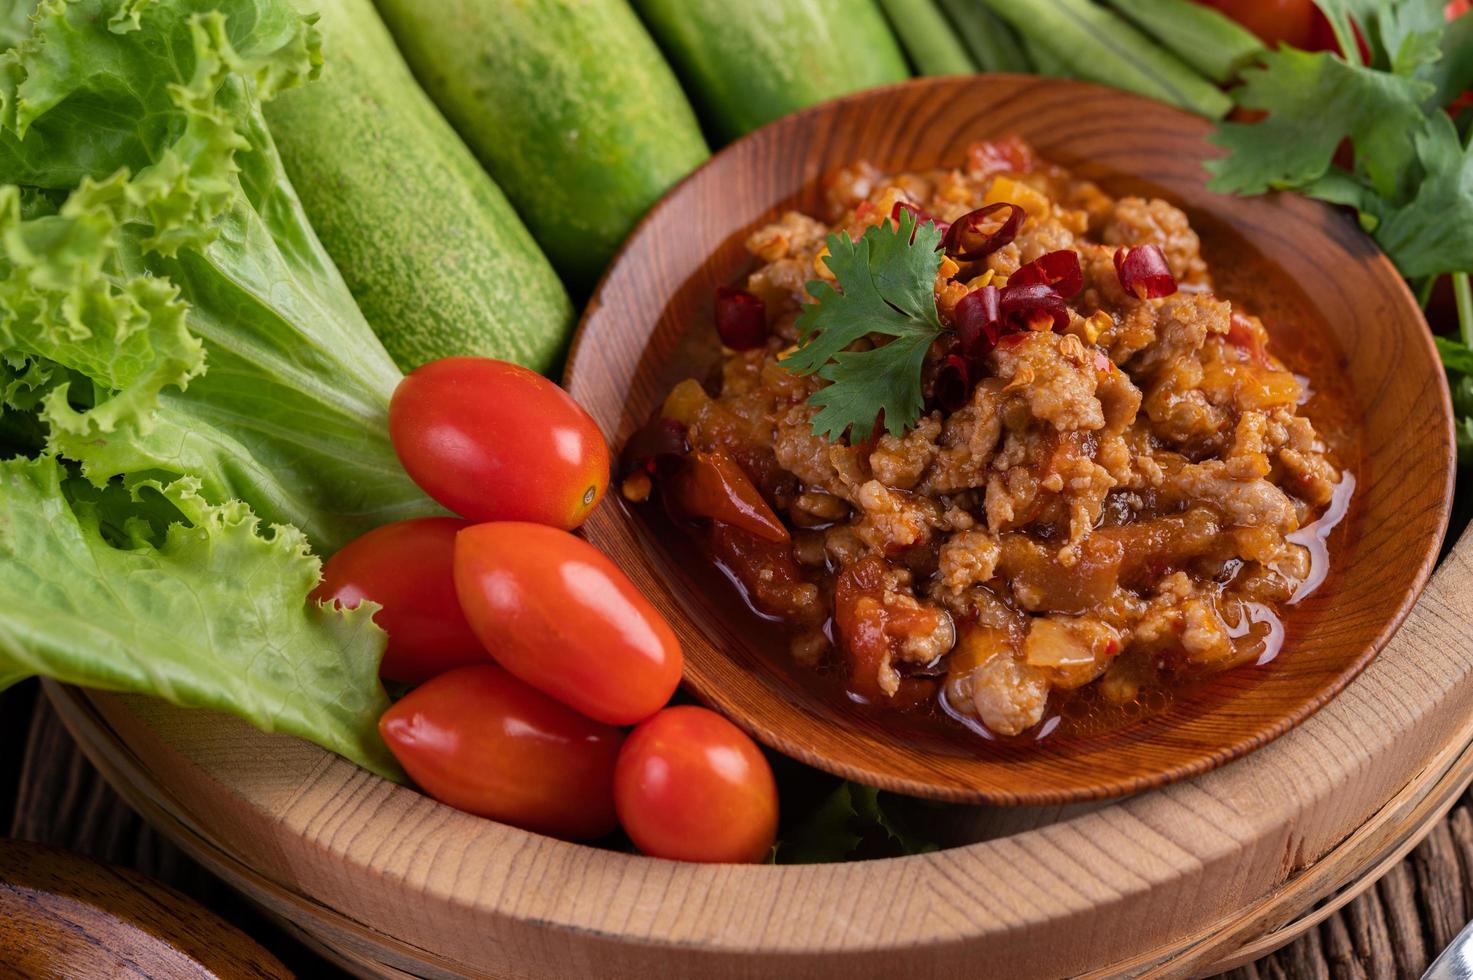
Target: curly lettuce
[209, 614]
[189, 397]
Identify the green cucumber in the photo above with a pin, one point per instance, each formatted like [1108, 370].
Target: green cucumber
[748, 64]
[569, 106]
[429, 246]
[928, 37]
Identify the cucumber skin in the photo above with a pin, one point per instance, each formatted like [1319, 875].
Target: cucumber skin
[431, 249]
[748, 64]
[569, 106]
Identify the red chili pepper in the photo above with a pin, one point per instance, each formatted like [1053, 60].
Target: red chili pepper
[978, 319]
[655, 446]
[1033, 307]
[714, 486]
[985, 316]
[977, 234]
[921, 218]
[741, 318]
[1060, 270]
[953, 387]
[1143, 271]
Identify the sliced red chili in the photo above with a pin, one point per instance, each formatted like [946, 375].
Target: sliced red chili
[1144, 272]
[1059, 270]
[714, 486]
[953, 385]
[921, 218]
[655, 447]
[741, 318]
[978, 320]
[977, 234]
[1033, 307]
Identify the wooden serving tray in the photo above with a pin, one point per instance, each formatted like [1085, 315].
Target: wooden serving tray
[1177, 882]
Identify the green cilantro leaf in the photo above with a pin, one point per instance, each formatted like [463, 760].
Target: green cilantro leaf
[1453, 72]
[857, 821]
[1433, 232]
[1457, 358]
[1314, 101]
[886, 287]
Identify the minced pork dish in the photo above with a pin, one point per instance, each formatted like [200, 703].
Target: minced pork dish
[1108, 487]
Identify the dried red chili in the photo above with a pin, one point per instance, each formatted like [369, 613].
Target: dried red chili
[1032, 307]
[953, 385]
[921, 218]
[1059, 270]
[978, 320]
[1144, 272]
[714, 486]
[741, 318]
[977, 234]
[656, 447]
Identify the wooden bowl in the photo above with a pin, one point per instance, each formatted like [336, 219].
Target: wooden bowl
[1299, 264]
[1180, 882]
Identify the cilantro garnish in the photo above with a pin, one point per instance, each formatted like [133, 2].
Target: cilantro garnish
[1410, 171]
[886, 287]
[1314, 101]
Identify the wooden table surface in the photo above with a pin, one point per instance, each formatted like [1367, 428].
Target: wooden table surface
[50, 793]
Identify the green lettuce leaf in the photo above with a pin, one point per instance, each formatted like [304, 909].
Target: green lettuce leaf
[181, 367]
[210, 616]
[202, 329]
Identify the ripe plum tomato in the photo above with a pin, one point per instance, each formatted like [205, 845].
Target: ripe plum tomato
[496, 442]
[1289, 21]
[408, 568]
[482, 741]
[550, 608]
[691, 786]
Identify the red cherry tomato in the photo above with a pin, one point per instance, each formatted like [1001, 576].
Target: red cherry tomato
[481, 741]
[691, 786]
[558, 614]
[496, 442]
[1274, 21]
[408, 568]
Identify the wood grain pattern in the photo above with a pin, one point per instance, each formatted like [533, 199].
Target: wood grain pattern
[65, 915]
[1167, 883]
[1294, 261]
[67, 803]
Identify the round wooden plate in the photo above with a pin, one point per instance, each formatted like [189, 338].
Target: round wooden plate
[65, 915]
[1301, 265]
[1171, 882]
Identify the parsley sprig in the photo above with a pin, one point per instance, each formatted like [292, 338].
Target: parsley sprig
[886, 282]
[1410, 174]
